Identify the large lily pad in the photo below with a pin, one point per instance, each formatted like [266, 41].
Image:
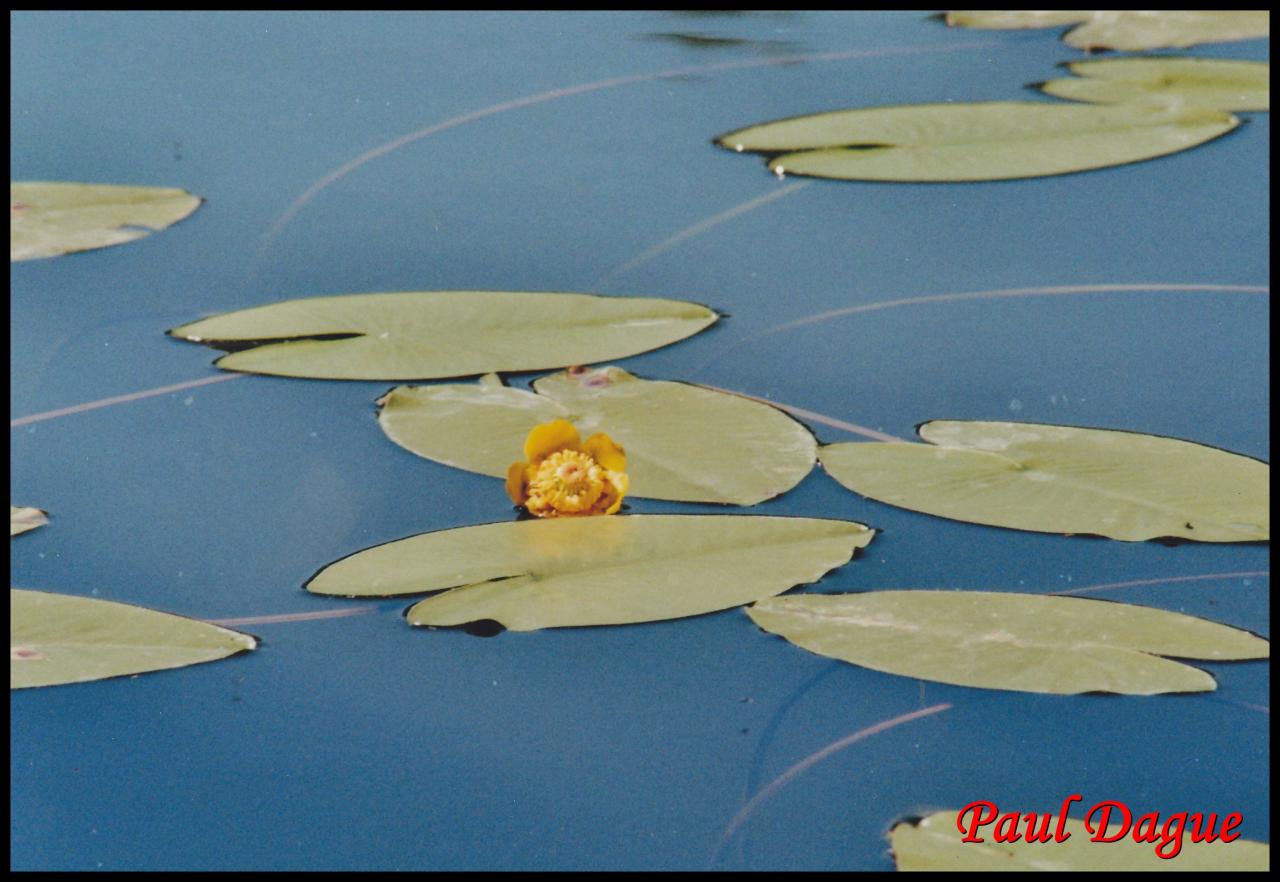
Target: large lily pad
[934, 843]
[1063, 479]
[22, 519]
[57, 638]
[1128, 30]
[682, 441]
[436, 334]
[1187, 82]
[48, 218]
[595, 570]
[983, 141]
[1024, 642]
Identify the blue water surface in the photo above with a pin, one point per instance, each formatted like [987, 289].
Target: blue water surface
[359, 152]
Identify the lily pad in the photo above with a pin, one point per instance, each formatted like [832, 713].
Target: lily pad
[1007, 20]
[437, 334]
[1023, 642]
[23, 519]
[57, 638]
[49, 218]
[596, 570]
[934, 843]
[1187, 82]
[982, 141]
[1064, 479]
[1128, 30]
[682, 441]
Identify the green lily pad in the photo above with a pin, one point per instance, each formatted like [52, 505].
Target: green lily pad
[595, 570]
[48, 218]
[437, 334]
[1063, 479]
[683, 442]
[1023, 642]
[1128, 30]
[934, 843]
[23, 519]
[1186, 82]
[57, 638]
[983, 141]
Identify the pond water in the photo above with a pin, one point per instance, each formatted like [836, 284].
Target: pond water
[344, 153]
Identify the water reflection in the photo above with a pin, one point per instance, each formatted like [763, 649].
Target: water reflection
[714, 41]
[731, 13]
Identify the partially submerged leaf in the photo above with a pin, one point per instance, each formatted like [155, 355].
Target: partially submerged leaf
[436, 334]
[48, 218]
[23, 519]
[595, 571]
[1064, 479]
[982, 141]
[1024, 642]
[682, 441]
[1129, 30]
[934, 843]
[58, 638]
[1186, 82]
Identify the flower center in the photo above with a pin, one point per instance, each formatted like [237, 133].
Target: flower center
[567, 481]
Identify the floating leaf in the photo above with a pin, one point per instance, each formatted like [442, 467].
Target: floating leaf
[57, 638]
[49, 218]
[1140, 31]
[1016, 20]
[23, 519]
[436, 334]
[1025, 642]
[1187, 82]
[682, 441]
[983, 141]
[1063, 479]
[1128, 30]
[595, 571]
[934, 843]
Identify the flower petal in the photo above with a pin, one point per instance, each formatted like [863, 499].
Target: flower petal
[516, 486]
[606, 451]
[616, 485]
[547, 438]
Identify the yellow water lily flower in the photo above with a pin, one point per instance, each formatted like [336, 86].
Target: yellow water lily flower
[567, 477]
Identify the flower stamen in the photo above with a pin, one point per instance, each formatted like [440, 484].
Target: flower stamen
[567, 481]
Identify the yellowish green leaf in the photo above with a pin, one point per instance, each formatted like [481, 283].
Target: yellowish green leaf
[682, 441]
[23, 519]
[48, 218]
[1064, 479]
[57, 638]
[983, 141]
[437, 334]
[1186, 82]
[1023, 642]
[1015, 20]
[595, 570]
[1129, 30]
